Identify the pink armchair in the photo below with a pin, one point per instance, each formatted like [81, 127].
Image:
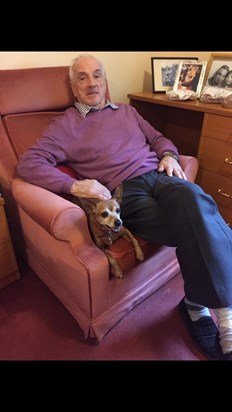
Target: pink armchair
[50, 232]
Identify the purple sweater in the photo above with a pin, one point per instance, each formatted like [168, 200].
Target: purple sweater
[109, 146]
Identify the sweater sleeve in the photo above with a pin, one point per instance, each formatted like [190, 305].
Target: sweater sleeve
[38, 164]
[157, 141]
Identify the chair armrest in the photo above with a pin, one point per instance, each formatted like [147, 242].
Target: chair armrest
[59, 217]
[190, 166]
[71, 248]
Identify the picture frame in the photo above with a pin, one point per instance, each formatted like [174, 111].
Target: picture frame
[164, 70]
[190, 76]
[219, 71]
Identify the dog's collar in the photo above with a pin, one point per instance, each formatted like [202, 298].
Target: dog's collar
[106, 231]
[103, 232]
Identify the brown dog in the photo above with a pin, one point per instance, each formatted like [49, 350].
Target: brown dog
[105, 225]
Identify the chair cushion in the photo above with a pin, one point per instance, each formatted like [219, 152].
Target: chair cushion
[122, 250]
[35, 90]
[24, 129]
[124, 253]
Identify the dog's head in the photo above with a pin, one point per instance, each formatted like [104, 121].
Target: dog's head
[105, 212]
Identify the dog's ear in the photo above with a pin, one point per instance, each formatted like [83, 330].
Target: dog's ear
[118, 193]
[88, 204]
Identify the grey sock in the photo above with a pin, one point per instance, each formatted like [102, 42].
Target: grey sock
[195, 310]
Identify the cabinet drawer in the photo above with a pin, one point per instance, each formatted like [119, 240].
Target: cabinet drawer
[216, 156]
[8, 263]
[218, 127]
[220, 188]
[4, 231]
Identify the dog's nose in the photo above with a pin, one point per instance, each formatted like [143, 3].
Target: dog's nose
[117, 222]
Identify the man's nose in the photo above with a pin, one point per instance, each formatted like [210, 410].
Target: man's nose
[91, 81]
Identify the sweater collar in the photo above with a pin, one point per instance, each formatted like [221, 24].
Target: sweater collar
[84, 109]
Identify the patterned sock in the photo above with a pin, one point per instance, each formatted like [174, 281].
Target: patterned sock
[224, 319]
[195, 310]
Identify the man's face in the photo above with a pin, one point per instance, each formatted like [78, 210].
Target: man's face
[229, 79]
[89, 85]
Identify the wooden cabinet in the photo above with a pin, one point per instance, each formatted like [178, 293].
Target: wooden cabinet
[198, 129]
[8, 265]
[215, 161]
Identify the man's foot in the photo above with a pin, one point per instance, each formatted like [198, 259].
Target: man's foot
[204, 333]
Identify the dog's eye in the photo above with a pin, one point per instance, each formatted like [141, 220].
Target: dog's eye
[118, 210]
[104, 214]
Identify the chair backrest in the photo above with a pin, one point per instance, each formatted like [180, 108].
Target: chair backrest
[34, 90]
[29, 100]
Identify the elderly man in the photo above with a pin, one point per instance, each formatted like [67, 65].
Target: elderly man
[107, 144]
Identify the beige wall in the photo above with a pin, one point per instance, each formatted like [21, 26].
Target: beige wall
[127, 72]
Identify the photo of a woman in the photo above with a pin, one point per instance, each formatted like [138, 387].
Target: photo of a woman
[219, 72]
[189, 77]
[218, 77]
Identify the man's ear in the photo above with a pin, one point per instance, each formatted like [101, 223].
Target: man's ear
[118, 193]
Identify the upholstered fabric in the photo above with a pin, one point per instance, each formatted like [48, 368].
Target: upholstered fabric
[31, 90]
[25, 128]
[50, 232]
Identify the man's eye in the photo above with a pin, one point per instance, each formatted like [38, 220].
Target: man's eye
[81, 78]
[104, 214]
[98, 76]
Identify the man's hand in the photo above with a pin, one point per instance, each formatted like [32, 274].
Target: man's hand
[172, 167]
[90, 188]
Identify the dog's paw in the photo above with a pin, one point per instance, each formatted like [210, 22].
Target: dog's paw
[119, 275]
[140, 256]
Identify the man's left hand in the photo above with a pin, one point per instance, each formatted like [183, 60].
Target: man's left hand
[172, 167]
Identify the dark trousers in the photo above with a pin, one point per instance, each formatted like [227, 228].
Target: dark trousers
[174, 212]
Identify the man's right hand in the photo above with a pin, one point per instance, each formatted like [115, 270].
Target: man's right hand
[90, 188]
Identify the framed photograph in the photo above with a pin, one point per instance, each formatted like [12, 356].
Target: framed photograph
[164, 70]
[219, 72]
[190, 76]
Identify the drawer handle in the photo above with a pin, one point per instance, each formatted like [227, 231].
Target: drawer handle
[228, 160]
[224, 194]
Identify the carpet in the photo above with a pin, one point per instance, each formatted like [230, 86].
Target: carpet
[34, 325]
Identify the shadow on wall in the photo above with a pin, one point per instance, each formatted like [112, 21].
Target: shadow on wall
[147, 82]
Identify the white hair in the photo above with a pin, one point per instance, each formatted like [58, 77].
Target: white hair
[76, 60]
